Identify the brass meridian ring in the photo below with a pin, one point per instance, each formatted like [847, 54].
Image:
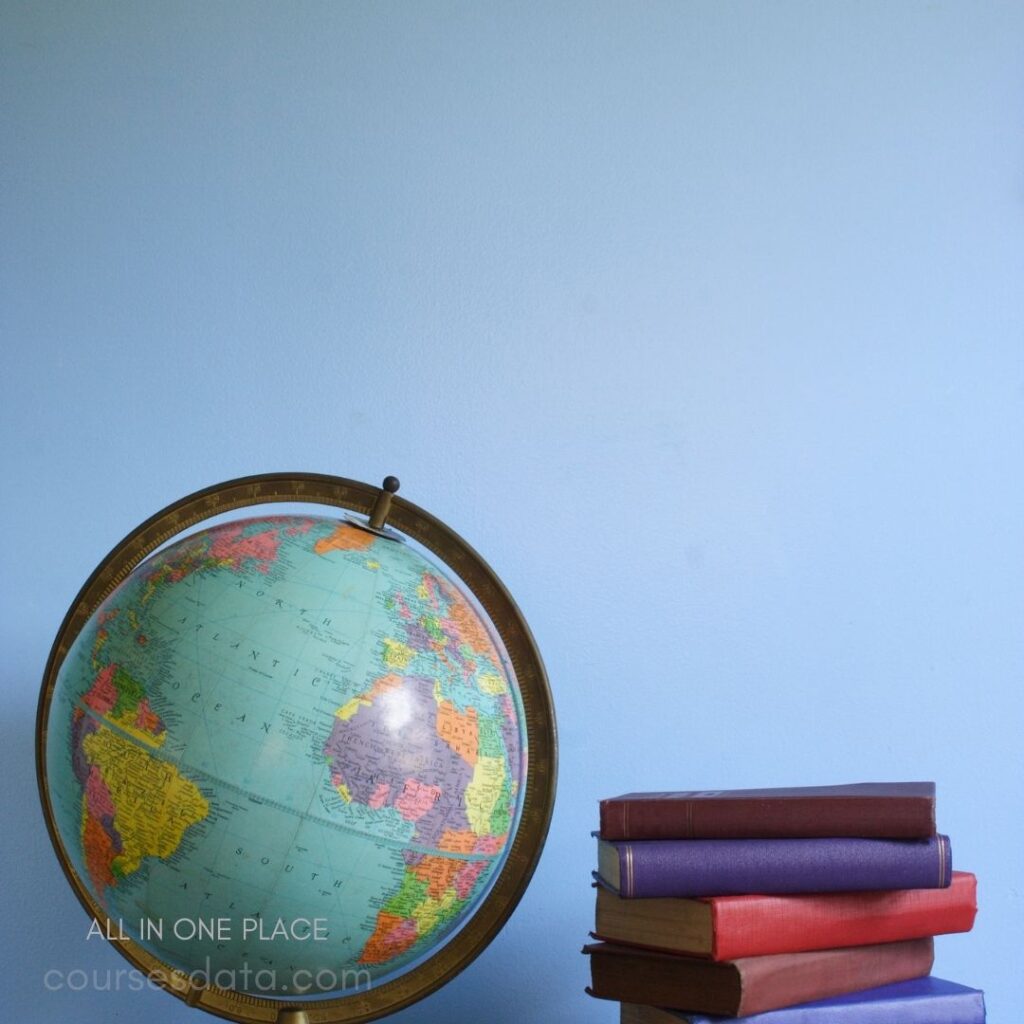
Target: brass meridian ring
[479, 578]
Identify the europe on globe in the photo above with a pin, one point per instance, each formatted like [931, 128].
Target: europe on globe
[287, 756]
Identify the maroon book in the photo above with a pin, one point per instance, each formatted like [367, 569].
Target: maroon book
[869, 810]
[754, 984]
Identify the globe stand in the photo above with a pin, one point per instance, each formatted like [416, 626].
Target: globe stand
[404, 520]
[293, 1017]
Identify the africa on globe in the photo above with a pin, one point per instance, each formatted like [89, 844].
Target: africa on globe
[290, 757]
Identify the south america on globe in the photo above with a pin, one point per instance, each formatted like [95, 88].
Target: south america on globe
[287, 754]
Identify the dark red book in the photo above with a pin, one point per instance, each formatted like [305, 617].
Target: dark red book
[883, 810]
[752, 984]
[731, 927]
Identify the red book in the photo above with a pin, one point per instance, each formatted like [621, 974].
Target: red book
[753, 984]
[867, 810]
[731, 927]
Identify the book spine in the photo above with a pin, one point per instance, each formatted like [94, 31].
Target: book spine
[720, 867]
[903, 817]
[760, 925]
[754, 984]
[773, 982]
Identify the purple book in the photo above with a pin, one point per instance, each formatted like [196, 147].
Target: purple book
[921, 1001]
[725, 867]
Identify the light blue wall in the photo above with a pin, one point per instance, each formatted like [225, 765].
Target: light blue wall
[702, 321]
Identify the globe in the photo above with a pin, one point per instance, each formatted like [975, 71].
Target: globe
[285, 759]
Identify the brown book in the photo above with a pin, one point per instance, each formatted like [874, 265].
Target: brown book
[751, 984]
[878, 810]
[730, 927]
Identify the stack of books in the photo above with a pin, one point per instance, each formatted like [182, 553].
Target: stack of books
[814, 905]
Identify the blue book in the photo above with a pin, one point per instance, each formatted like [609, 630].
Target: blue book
[925, 1000]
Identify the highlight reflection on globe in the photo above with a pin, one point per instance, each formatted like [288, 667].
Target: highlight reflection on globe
[287, 719]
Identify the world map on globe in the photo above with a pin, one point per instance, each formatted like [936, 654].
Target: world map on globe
[287, 719]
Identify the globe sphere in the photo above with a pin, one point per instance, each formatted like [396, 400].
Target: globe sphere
[287, 755]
